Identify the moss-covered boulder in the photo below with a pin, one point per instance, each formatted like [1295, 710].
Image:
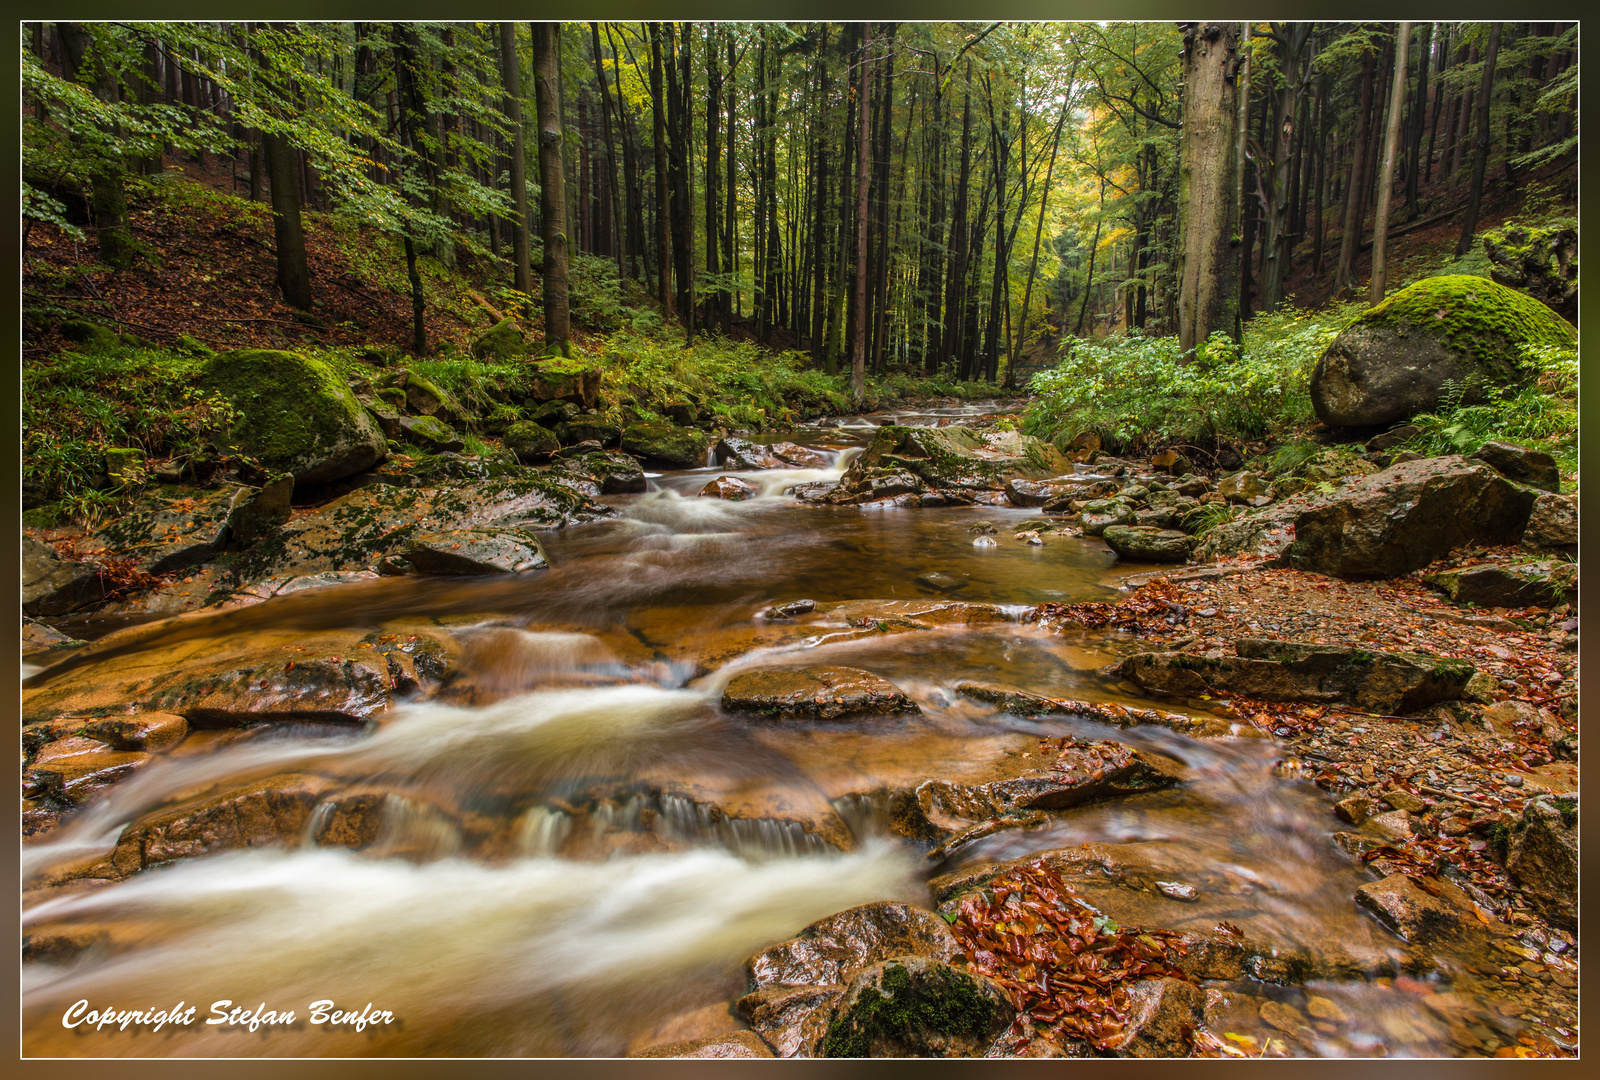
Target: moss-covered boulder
[1394, 360]
[90, 335]
[502, 341]
[430, 433]
[530, 442]
[295, 415]
[1540, 262]
[916, 1007]
[424, 397]
[562, 380]
[678, 447]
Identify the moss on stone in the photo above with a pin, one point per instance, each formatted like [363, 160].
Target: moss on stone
[949, 1003]
[1472, 315]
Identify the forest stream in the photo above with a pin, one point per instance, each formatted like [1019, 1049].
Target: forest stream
[579, 847]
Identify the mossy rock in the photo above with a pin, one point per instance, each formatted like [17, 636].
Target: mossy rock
[678, 447]
[1540, 262]
[1394, 360]
[530, 441]
[502, 341]
[916, 1007]
[296, 415]
[91, 335]
[424, 397]
[430, 433]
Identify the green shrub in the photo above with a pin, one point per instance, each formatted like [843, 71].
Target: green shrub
[1541, 415]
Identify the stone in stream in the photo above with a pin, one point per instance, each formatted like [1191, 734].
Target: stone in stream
[949, 459]
[153, 732]
[74, 770]
[1532, 467]
[797, 456]
[733, 452]
[1384, 525]
[243, 680]
[791, 1020]
[731, 488]
[675, 447]
[1543, 858]
[614, 472]
[1021, 492]
[294, 414]
[916, 1007]
[939, 581]
[834, 949]
[1163, 1015]
[1393, 361]
[1022, 703]
[1146, 543]
[1388, 683]
[475, 551]
[1416, 915]
[814, 693]
[1101, 514]
[161, 533]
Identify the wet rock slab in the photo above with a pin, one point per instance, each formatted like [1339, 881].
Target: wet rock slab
[814, 693]
[916, 1007]
[832, 950]
[1388, 683]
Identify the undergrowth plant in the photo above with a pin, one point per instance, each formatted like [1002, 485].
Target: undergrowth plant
[1542, 414]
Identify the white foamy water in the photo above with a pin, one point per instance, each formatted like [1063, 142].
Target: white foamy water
[535, 956]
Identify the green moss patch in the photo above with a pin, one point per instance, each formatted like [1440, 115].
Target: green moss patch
[1475, 316]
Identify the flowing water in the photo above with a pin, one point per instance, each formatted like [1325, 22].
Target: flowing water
[577, 844]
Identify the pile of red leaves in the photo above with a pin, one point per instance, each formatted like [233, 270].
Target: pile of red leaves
[1065, 966]
[1152, 608]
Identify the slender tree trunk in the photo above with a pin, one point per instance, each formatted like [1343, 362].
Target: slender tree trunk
[1480, 163]
[1419, 109]
[1391, 143]
[956, 273]
[1019, 342]
[658, 109]
[1344, 277]
[858, 341]
[1243, 218]
[713, 149]
[552, 188]
[1207, 186]
[113, 234]
[511, 79]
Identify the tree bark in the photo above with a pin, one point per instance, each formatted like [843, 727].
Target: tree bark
[511, 79]
[858, 338]
[1344, 277]
[1207, 186]
[1391, 143]
[1480, 136]
[658, 109]
[552, 188]
[1020, 340]
[113, 234]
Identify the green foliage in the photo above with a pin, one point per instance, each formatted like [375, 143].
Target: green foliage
[1542, 415]
[1139, 391]
[1203, 519]
[77, 404]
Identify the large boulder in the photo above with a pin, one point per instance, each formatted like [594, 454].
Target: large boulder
[1540, 262]
[1553, 526]
[677, 447]
[1146, 543]
[530, 442]
[1383, 525]
[948, 458]
[295, 415]
[834, 949]
[563, 380]
[475, 551]
[502, 341]
[1395, 358]
[611, 472]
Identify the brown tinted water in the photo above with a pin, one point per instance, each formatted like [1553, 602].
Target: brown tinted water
[550, 878]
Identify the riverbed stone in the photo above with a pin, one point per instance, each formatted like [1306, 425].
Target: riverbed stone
[1101, 514]
[1021, 492]
[1241, 487]
[814, 693]
[1542, 860]
[916, 1007]
[1552, 526]
[172, 529]
[951, 458]
[1146, 543]
[530, 441]
[1383, 525]
[1416, 915]
[475, 551]
[1504, 585]
[261, 511]
[154, 732]
[790, 1020]
[1388, 683]
[612, 471]
[731, 488]
[675, 447]
[1532, 467]
[52, 585]
[834, 949]
[797, 456]
[295, 414]
[1393, 361]
[430, 433]
[1163, 1015]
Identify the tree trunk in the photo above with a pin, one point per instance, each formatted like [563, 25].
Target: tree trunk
[1480, 135]
[713, 150]
[1292, 38]
[1019, 342]
[1391, 143]
[113, 235]
[511, 78]
[956, 273]
[858, 338]
[1344, 277]
[1207, 185]
[658, 109]
[1419, 109]
[552, 188]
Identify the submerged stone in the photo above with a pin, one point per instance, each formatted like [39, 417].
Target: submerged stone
[815, 693]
